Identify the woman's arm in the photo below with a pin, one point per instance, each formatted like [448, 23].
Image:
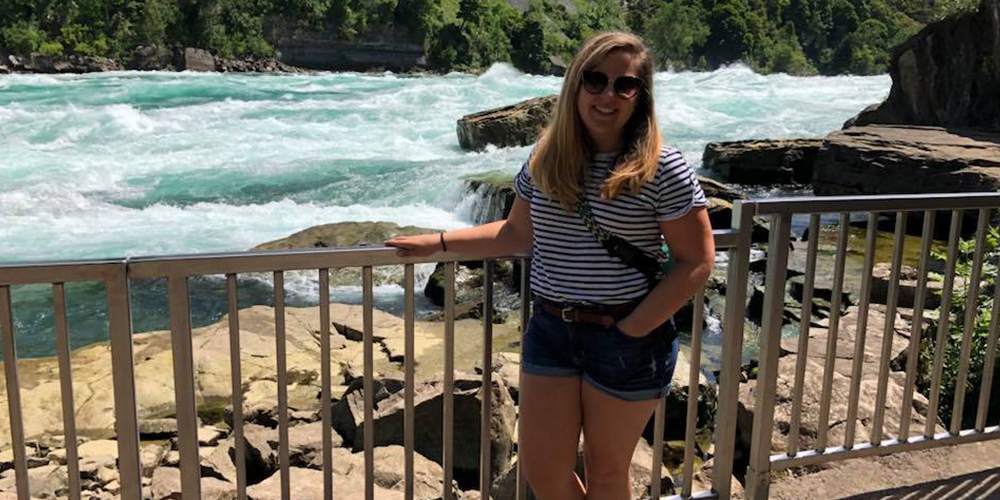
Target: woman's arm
[693, 246]
[496, 239]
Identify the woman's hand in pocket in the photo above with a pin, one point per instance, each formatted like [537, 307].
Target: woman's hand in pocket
[626, 327]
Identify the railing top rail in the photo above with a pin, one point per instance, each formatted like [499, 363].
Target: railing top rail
[875, 203]
[27, 273]
[236, 262]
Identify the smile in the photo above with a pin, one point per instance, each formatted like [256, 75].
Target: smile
[605, 111]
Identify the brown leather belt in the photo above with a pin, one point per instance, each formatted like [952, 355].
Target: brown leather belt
[570, 313]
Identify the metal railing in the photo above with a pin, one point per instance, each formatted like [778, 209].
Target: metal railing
[780, 211]
[116, 276]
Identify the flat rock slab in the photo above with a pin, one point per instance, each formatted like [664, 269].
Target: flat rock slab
[895, 159]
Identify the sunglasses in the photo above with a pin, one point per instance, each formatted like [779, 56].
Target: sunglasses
[626, 87]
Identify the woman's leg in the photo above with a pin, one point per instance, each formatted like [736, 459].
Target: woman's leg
[611, 429]
[549, 435]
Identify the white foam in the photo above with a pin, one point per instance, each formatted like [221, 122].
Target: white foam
[378, 147]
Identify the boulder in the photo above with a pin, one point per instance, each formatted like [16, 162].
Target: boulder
[763, 162]
[515, 125]
[38, 63]
[390, 467]
[946, 75]
[428, 404]
[907, 287]
[307, 484]
[260, 458]
[46, 481]
[305, 442]
[157, 428]
[151, 58]
[151, 455]
[255, 64]
[167, 484]
[348, 234]
[469, 285]
[898, 159]
[196, 60]
[342, 234]
[813, 385]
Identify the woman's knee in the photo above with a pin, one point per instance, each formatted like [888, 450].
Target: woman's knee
[603, 470]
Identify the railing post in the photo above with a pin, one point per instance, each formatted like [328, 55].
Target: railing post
[758, 474]
[123, 377]
[732, 349]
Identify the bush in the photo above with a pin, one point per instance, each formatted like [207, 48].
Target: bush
[51, 49]
[22, 38]
[979, 336]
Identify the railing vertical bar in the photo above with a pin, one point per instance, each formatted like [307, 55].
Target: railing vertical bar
[487, 401]
[944, 322]
[123, 378]
[521, 492]
[282, 360]
[860, 331]
[758, 473]
[916, 332]
[804, 326]
[971, 311]
[187, 413]
[988, 363]
[369, 382]
[732, 349]
[691, 422]
[659, 422]
[839, 268]
[13, 394]
[235, 370]
[409, 440]
[325, 376]
[889, 333]
[448, 459]
[66, 388]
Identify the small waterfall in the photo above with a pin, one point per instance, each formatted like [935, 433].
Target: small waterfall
[488, 198]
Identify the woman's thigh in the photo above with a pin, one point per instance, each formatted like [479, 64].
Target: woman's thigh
[611, 429]
[549, 424]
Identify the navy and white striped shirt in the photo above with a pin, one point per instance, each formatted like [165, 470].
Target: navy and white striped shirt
[570, 265]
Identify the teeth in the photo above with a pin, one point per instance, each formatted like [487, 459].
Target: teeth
[604, 110]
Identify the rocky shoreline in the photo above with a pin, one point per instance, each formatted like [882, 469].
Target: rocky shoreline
[144, 59]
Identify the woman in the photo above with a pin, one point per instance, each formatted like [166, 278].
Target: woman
[599, 351]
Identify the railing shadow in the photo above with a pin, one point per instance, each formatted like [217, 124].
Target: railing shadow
[983, 485]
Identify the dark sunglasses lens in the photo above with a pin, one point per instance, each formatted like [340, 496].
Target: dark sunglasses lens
[594, 81]
[627, 87]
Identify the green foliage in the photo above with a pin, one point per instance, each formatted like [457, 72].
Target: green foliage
[675, 30]
[785, 55]
[794, 36]
[22, 37]
[978, 336]
[51, 49]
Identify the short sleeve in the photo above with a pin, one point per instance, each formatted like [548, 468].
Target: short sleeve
[678, 187]
[523, 185]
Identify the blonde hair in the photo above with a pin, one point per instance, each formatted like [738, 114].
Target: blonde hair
[564, 149]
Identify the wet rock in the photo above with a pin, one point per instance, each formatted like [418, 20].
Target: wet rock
[763, 162]
[516, 125]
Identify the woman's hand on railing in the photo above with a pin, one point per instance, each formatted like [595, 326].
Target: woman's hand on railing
[420, 245]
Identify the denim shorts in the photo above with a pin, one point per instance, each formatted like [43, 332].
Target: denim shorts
[629, 368]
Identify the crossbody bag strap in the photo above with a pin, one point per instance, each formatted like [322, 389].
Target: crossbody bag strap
[619, 247]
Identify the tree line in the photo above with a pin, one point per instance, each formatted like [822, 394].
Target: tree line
[794, 36]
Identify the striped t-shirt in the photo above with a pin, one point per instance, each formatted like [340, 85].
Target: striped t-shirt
[570, 265]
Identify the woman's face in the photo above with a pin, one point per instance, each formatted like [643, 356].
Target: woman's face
[605, 114]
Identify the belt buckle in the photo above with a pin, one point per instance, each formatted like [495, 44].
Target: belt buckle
[566, 311]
